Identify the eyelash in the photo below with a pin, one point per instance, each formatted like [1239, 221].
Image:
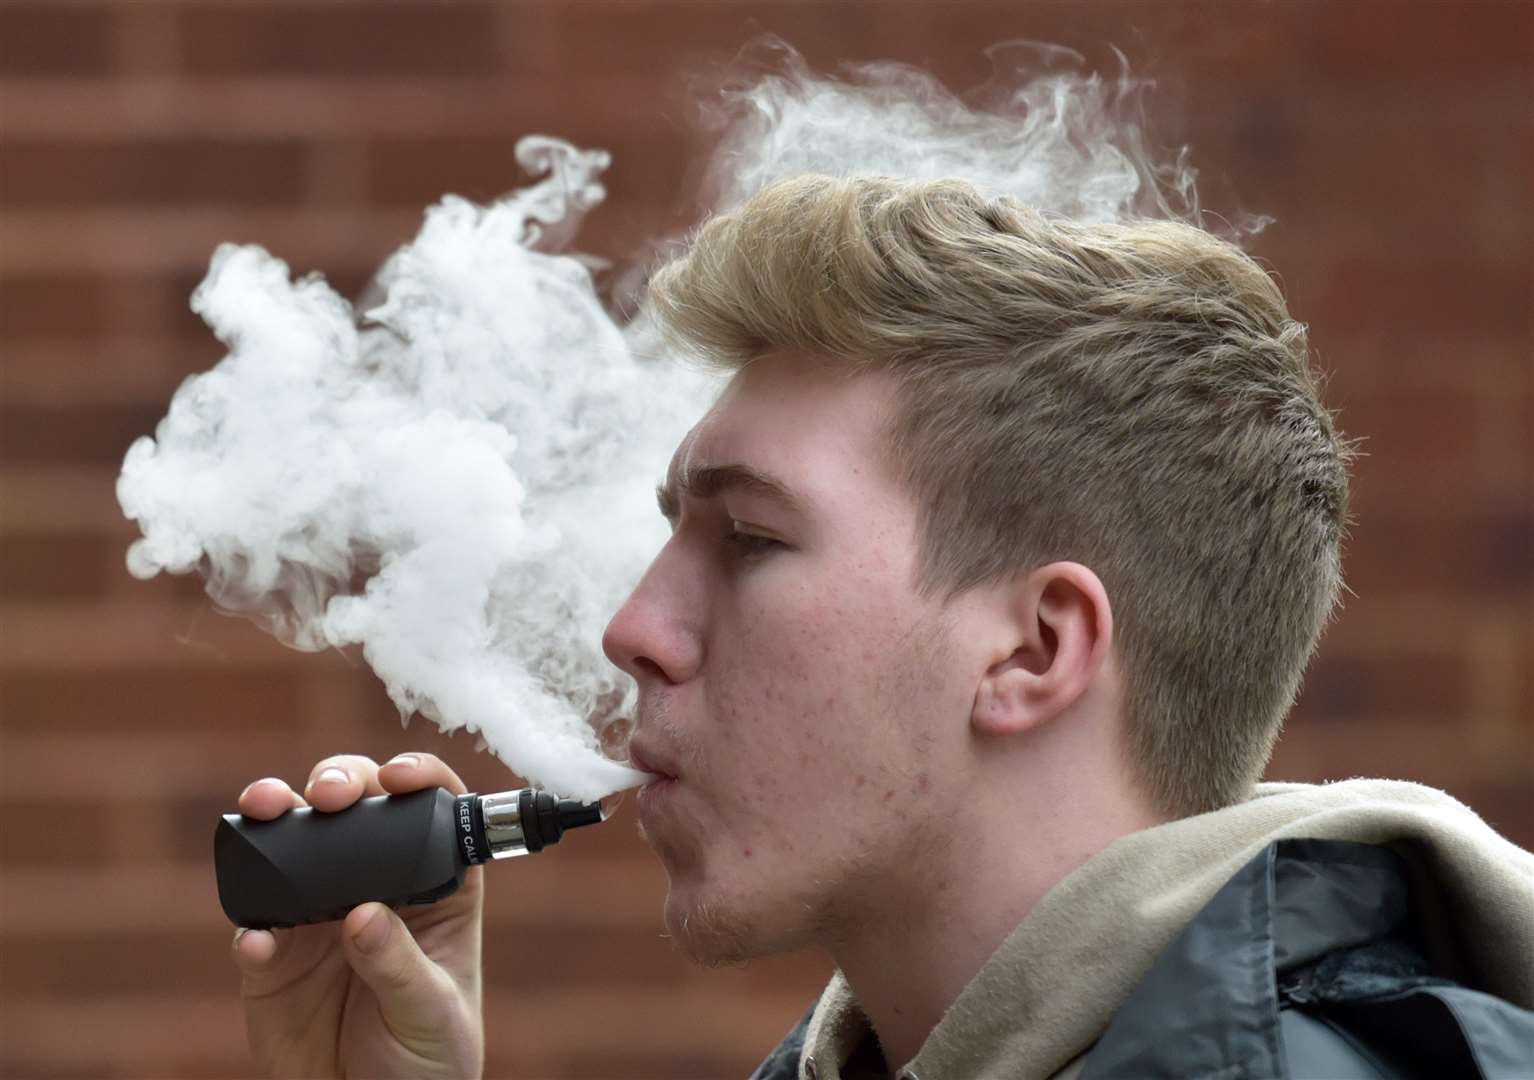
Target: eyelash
[750, 545]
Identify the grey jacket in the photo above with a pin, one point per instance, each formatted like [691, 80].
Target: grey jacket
[1309, 962]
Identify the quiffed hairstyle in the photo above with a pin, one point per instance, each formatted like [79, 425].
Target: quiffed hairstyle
[1133, 397]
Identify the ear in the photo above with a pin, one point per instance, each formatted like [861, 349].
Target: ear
[1057, 629]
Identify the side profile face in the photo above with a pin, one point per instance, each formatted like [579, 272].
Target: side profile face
[810, 704]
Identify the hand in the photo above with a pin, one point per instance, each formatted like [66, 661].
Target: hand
[378, 994]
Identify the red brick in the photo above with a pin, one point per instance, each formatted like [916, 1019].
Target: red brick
[1424, 683]
[62, 374]
[80, 305]
[1401, 180]
[1452, 41]
[163, 171]
[151, 771]
[584, 956]
[527, 1034]
[61, 500]
[98, 434]
[117, 965]
[52, 39]
[612, 35]
[1322, 176]
[1428, 749]
[209, 1039]
[72, 305]
[1429, 296]
[148, 895]
[31, 832]
[398, 39]
[55, 307]
[158, 624]
[1404, 547]
[1328, 49]
[180, 240]
[44, 566]
[59, 898]
[418, 172]
[1370, 356]
[709, 1020]
[332, 109]
[1439, 751]
[1424, 451]
[95, 701]
[573, 1059]
[1507, 807]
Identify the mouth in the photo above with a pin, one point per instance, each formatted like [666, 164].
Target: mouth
[663, 776]
[650, 760]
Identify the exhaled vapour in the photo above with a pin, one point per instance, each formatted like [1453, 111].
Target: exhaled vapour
[457, 475]
[478, 453]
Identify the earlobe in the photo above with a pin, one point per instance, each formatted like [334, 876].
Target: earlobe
[1005, 700]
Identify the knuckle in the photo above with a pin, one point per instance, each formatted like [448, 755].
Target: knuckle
[354, 765]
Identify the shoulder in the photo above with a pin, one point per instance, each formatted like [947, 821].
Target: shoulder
[1368, 1017]
[1307, 963]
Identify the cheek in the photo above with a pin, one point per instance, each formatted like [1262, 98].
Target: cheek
[802, 697]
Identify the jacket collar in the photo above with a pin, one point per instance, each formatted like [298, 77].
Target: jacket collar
[1053, 985]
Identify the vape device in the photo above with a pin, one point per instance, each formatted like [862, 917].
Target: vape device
[309, 866]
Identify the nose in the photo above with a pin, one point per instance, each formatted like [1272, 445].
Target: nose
[655, 634]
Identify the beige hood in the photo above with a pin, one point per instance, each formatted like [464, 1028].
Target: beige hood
[1047, 993]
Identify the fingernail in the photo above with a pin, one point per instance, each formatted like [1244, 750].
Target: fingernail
[333, 775]
[249, 961]
[404, 759]
[253, 783]
[374, 932]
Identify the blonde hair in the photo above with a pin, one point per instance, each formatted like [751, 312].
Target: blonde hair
[1133, 397]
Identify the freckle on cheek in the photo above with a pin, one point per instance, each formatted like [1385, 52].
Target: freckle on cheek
[888, 795]
[921, 783]
[861, 781]
[746, 853]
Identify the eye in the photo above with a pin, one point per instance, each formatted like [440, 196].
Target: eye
[748, 544]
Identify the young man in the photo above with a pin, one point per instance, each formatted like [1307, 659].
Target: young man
[993, 573]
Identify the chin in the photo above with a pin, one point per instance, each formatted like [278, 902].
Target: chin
[712, 933]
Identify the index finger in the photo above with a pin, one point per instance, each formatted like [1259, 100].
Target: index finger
[416, 770]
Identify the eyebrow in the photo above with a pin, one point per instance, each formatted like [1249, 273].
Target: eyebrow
[709, 481]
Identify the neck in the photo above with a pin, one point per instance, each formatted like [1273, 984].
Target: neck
[911, 952]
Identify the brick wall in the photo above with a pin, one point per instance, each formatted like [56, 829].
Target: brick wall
[1393, 142]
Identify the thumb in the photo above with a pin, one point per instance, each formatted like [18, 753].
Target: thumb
[415, 996]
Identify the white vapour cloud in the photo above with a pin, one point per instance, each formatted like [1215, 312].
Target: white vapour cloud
[1041, 130]
[456, 474]
[477, 457]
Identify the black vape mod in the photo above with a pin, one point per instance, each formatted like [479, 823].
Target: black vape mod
[309, 866]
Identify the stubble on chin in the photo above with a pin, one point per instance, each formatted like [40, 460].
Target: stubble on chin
[710, 936]
[712, 932]
[702, 930]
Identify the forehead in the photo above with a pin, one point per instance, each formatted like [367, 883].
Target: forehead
[813, 422]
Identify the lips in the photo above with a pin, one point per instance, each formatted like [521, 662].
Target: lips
[651, 759]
